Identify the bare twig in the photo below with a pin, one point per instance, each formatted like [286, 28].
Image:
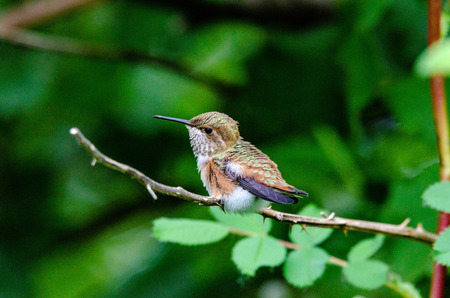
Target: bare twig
[338, 223]
[36, 12]
[150, 184]
[13, 23]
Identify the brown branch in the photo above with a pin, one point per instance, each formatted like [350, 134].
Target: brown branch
[338, 223]
[437, 86]
[36, 12]
[12, 31]
[150, 184]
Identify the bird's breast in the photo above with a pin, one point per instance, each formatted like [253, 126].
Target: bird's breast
[215, 180]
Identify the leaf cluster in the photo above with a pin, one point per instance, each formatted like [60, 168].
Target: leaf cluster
[302, 266]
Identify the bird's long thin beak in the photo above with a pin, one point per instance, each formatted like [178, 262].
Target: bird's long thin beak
[172, 119]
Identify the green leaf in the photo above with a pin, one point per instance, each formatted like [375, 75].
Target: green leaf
[365, 248]
[249, 222]
[403, 288]
[110, 257]
[253, 252]
[442, 248]
[219, 50]
[437, 196]
[188, 231]
[340, 157]
[435, 60]
[304, 266]
[370, 13]
[148, 90]
[312, 236]
[368, 274]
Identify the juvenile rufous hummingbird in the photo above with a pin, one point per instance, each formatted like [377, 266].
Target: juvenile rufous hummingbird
[233, 170]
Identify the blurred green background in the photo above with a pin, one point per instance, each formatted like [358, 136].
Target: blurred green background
[326, 89]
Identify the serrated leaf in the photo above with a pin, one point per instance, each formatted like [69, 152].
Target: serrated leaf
[312, 236]
[253, 252]
[304, 266]
[250, 222]
[442, 248]
[368, 274]
[188, 231]
[437, 196]
[365, 248]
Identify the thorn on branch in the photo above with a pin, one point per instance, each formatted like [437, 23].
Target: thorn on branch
[304, 229]
[405, 223]
[221, 206]
[420, 228]
[290, 228]
[328, 217]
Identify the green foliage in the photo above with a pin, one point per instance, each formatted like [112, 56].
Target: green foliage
[188, 231]
[442, 248]
[304, 266]
[365, 249]
[340, 158]
[221, 49]
[437, 196]
[109, 257]
[435, 60]
[362, 272]
[311, 236]
[251, 253]
[403, 288]
[366, 274]
[332, 100]
[251, 223]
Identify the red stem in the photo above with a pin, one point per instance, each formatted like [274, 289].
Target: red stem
[441, 124]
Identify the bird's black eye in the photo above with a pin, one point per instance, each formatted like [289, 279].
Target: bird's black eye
[208, 130]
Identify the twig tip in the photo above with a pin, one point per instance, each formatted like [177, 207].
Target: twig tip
[152, 193]
[74, 131]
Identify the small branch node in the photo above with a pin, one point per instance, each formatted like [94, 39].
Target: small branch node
[420, 228]
[150, 190]
[328, 217]
[405, 223]
[74, 131]
[279, 216]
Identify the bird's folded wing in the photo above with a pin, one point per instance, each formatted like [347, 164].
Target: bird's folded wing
[264, 192]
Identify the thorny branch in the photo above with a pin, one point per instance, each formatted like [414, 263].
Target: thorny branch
[329, 221]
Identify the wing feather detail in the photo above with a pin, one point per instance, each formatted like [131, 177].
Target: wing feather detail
[265, 192]
[260, 176]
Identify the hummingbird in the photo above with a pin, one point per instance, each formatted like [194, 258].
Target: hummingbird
[234, 170]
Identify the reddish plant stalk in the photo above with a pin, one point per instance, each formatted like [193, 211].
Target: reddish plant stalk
[442, 133]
